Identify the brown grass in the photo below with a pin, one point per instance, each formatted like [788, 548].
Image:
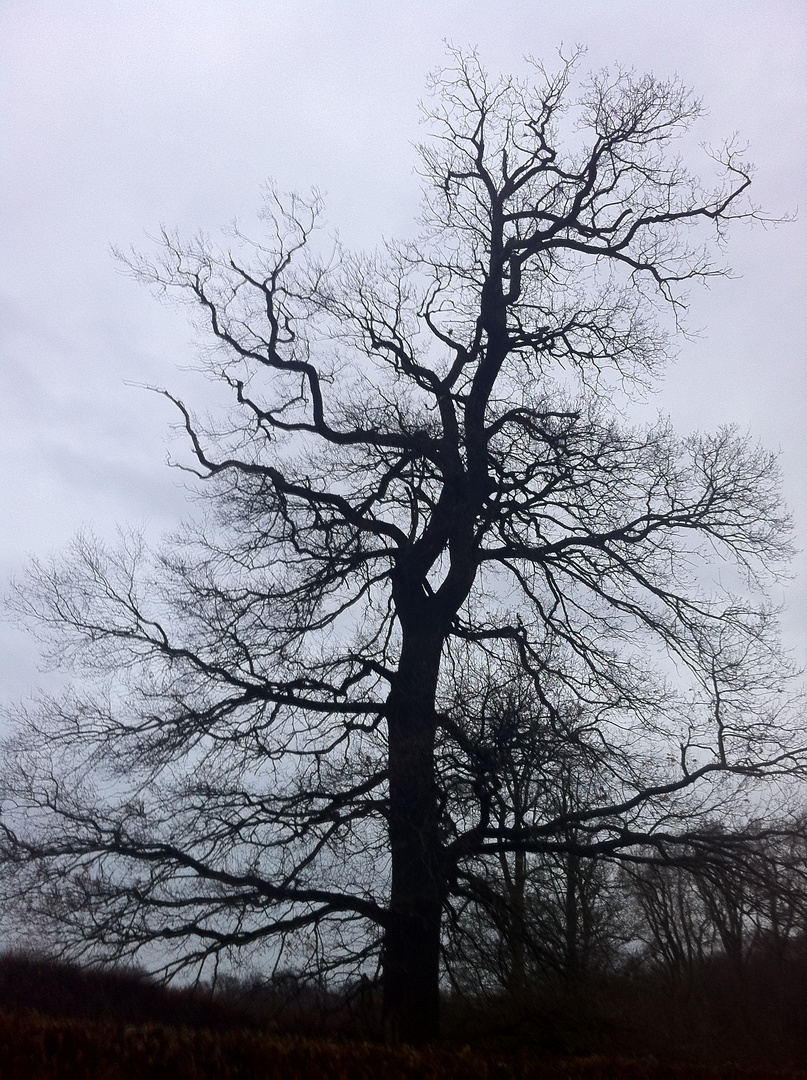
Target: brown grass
[33, 1047]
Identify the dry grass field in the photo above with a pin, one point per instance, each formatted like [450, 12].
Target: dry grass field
[59, 1021]
[34, 1047]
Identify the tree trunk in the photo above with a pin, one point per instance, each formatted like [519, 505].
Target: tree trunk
[517, 973]
[571, 913]
[412, 938]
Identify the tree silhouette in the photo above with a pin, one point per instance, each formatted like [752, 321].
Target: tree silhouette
[515, 920]
[425, 465]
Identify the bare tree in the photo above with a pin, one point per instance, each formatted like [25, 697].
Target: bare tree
[516, 918]
[735, 910]
[425, 454]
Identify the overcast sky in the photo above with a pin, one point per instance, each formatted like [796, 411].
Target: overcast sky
[117, 116]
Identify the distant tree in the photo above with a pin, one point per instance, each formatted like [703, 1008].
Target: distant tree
[425, 455]
[743, 901]
[514, 918]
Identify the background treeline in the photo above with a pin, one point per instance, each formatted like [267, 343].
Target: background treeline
[700, 957]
